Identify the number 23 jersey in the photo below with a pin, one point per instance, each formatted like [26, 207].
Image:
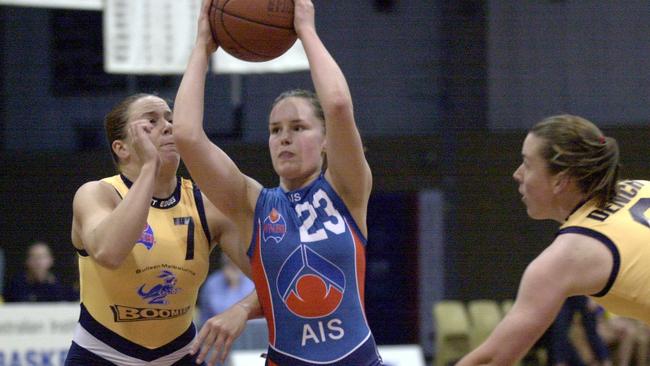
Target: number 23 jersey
[308, 260]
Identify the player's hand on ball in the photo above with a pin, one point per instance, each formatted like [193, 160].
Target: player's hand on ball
[303, 16]
[204, 35]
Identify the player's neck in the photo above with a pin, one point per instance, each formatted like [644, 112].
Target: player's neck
[164, 184]
[568, 205]
[292, 184]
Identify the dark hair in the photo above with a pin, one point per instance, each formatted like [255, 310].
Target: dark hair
[310, 96]
[576, 146]
[116, 120]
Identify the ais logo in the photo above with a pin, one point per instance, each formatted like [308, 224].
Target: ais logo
[274, 227]
[310, 285]
[146, 238]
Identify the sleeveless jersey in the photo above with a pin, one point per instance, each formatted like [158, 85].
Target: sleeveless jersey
[148, 302]
[623, 226]
[308, 261]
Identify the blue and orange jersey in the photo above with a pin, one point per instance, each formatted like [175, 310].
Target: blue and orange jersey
[308, 260]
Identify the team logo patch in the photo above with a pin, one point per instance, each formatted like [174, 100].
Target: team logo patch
[159, 292]
[146, 238]
[274, 227]
[309, 284]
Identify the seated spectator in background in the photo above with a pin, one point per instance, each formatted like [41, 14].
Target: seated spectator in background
[222, 289]
[38, 283]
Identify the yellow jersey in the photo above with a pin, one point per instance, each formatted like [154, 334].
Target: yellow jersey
[149, 300]
[624, 227]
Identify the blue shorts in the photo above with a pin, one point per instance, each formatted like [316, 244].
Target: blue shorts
[365, 355]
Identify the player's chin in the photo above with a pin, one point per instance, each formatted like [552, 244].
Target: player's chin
[170, 157]
[168, 148]
[534, 214]
[285, 168]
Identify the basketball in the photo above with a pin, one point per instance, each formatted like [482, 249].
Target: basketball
[253, 30]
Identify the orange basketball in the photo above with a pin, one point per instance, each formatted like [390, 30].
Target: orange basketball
[253, 30]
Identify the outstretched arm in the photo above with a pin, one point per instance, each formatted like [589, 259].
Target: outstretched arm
[219, 332]
[216, 174]
[572, 265]
[347, 170]
[537, 304]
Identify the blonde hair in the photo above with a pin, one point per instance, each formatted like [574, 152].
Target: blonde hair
[576, 146]
[308, 95]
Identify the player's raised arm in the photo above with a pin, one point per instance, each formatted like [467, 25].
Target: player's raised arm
[216, 174]
[98, 210]
[347, 168]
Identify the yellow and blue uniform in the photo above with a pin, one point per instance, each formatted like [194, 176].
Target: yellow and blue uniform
[143, 310]
[623, 226]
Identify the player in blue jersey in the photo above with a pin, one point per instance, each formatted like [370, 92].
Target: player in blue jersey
[308, 235]
[569, 174]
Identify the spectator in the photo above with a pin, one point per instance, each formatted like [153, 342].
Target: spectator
[38, 283]
[222, 289]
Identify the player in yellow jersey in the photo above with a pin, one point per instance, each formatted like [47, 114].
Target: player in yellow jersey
[570, 174]
[143, 237]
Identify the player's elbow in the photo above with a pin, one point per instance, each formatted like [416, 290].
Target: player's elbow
[338, 104]
[187, 140]
[184, 136]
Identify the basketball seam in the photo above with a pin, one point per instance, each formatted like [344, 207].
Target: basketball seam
[248, 20]
[223, 11]
[236, 41]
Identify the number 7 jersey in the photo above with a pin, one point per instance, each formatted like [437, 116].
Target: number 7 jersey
[308, 260]
[144, 308]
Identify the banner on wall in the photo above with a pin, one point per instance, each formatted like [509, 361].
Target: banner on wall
[157, 36]
[36, 334]
[149, 36]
